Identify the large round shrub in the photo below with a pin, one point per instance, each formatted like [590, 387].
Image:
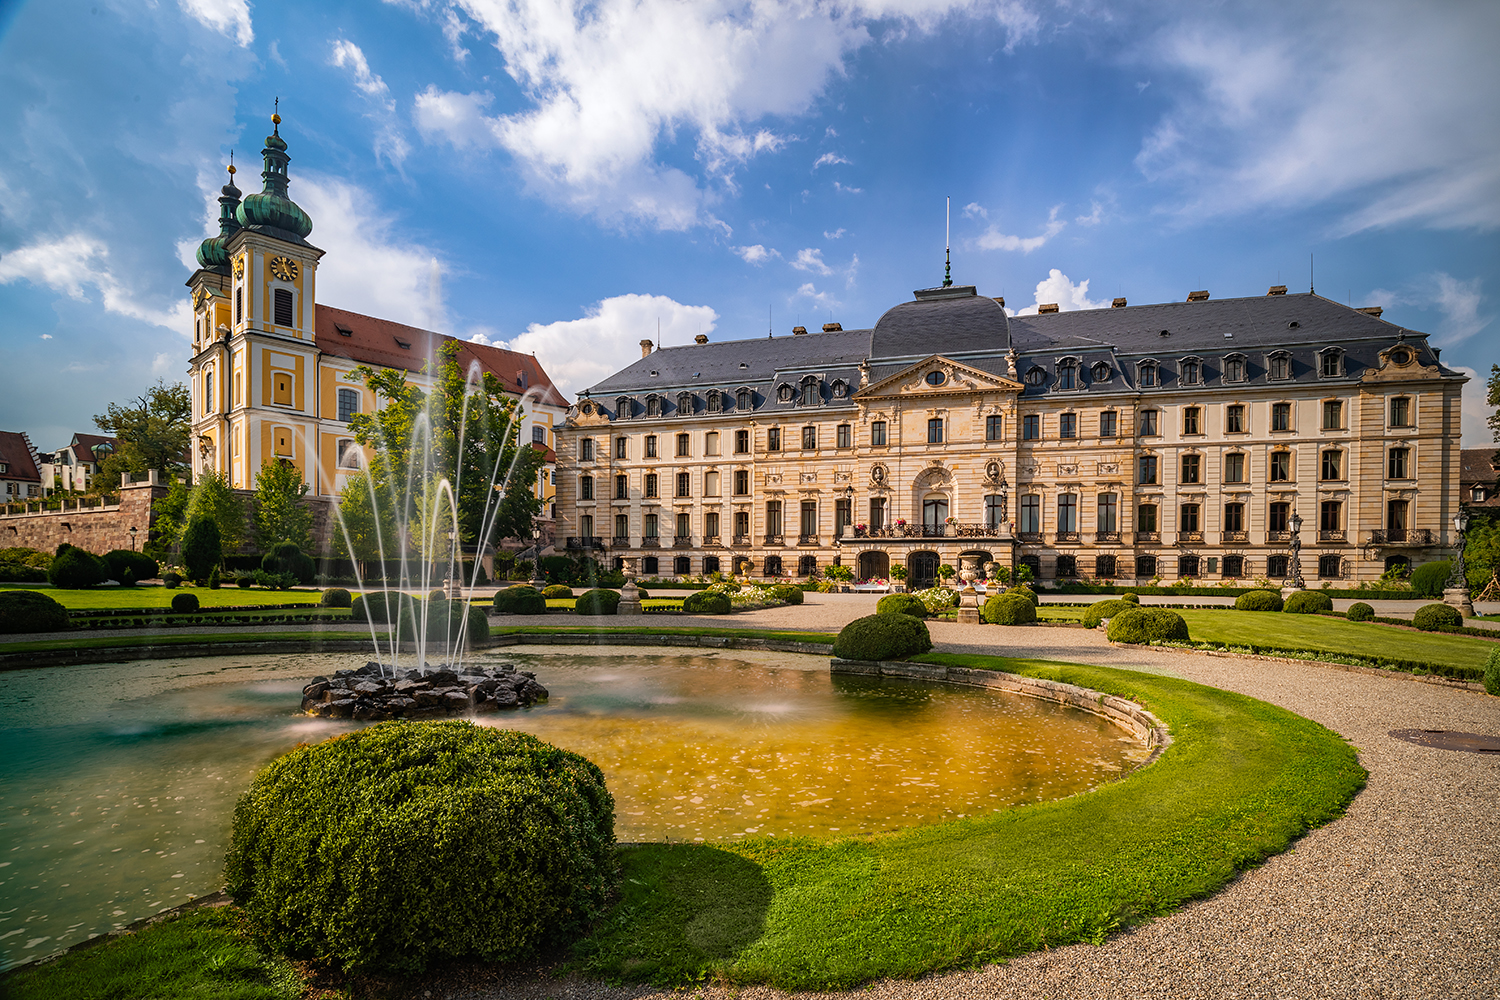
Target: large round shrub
[882, 637]
[1146, 625]
[335, 597]
[557, 592]
[522, 600]
[1027, 593]
[790, 593]
[901, 604]
[29, 611]
[1133, 598]
[1101, 610]
[1492, 673]
[1360, 612]
[1009, 608]
[1307, 602]
[1431, 617]
[75, 569]
[288, 557]
[118, 560]
[409, 843]
[184, 604]
[1427, 580]
[706, 602]
[1258, 600]
[597, 602]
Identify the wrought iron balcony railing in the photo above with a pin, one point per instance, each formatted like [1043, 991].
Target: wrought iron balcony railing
[775, 539]
[1234, 536]
[1106, 536]
[1187, 537]
[584, 543]
[1333, 535]
[622, 541]
[1403, 536]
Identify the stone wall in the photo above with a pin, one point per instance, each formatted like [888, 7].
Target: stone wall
[97, 529]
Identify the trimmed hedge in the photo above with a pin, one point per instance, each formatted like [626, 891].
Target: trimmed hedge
[409, 843]
[1492, 673]
[1305, 602]
[1360, 612]
[887, 636]
[901, 604]
[1028, 593]
[335, 597]
[1133, 598]
[288, 557]
[1147, 625]
[1431, 617]
[1259, 600]
[1100, 610]
[29, 611]
[706, 602]
[20, 573]
[1009, 608]
[520, 600]
[184, 604]
[1427, 580]
[791, 593]
[118, 560]
[75, 569]
[557, 592]
[597, 602]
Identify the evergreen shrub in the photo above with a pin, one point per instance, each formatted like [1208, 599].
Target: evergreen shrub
[335, 597]
[405, 844]
[1492, 673]
[1027, 593]
[1360, 612]
[520, 600]
[557, 591]
[213, 579]
[597, 602]
[1009, 608]
[20, 573]
[142, 565]
[244, 581]
[171, 580]
[788, 592]
[1101, 610]
[1133, 598]
[1258, 600]
[75, 569]
[1427, 580]
[288, 557]
[706, 602]
[184, 604]
[127, 578]
[884, 636]
[1431, 617]
[29, 611]
[1306, 602]
[901, 604]
[1146, 625]
[201, 547]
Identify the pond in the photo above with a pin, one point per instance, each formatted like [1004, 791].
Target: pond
[120, 779]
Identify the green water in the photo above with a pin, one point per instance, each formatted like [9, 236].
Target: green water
[119, 780]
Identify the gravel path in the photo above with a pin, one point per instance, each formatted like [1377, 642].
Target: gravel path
[1398, 899]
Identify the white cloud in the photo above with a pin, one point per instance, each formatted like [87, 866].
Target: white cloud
[75, 263]
[973, 208]
[1474, 408]
[164, 363]
[836, 234]
[828, 160]
[810, 260]
[1093, 218]
[1057, 288]
[1459, 303]
[46, 336]
[809, 291]
[754, 254]
[580, 352]
[347, 55]
[230, 18]
[993, 239]
[847, 189]
[458, 118]
[390, 140]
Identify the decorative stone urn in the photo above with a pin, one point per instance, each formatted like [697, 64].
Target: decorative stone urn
[968, 598]
[630, 595]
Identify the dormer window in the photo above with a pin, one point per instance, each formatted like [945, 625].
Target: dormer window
[1148, 374]
[1067, 373]
[809, 391]
[715, 401]
[1279, 365]
[1234, 368]
[623, 408]
[405, 345]
[840, 388]
[1035, 375]
[344, 331]
[784, 393]
[684, 404]
[653, 406]
[1100, 372]
[743, 399]
[1190, 371]
[1330, 363]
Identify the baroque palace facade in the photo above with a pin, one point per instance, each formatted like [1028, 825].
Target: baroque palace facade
[1230, 439]
[272, 375]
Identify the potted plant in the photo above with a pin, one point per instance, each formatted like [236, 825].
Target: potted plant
[859, 530]
[946, 572]
[898, 573]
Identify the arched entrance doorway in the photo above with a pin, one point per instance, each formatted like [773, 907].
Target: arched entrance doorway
[874, 566]
[921, 570]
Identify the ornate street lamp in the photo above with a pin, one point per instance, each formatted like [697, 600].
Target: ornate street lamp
[1456, 590]
[132, 537]
[1296, 567]
[537, 580]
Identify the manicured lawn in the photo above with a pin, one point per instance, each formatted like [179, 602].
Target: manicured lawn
[204, 954]
[567, 603]
[1372, 639]
[158, 597]
[1242, 780]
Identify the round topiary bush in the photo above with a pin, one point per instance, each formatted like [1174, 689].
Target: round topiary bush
[1428, 579]
[1146, 625]
[901, 604]
[521, 600]
[1009, 608]
[29, 611]
[171, 580]
[244, 581]
[557, 592]
[75, 569]
[886, 636]
[409, 843]
[1306, 602]
[1431, 617]
[335, 597]
[1258, 600]
[184, 604]
[787, 592]
[597, 602]
[119, 560]
[288, 557]
[1492, 673]
[1132, 598]
[1101, 610]
[1360, 612]
[1027, 593]
[706, 602]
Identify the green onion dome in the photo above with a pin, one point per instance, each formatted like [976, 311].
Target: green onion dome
[212, 253]
[272, 210]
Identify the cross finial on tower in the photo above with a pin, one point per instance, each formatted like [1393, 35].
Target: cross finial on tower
[276, 117]
[948, 243]
[231, 165]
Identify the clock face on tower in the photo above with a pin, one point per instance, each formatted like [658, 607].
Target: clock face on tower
[284, 268]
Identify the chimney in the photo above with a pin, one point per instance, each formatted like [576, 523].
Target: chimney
[645, 348]
[1198, 296]
[702, 338]
[1372, 311]
[1000, 300]
[1118, 304]
[1050, 307]
[1277, 290]
[798, 331]
[832, 327]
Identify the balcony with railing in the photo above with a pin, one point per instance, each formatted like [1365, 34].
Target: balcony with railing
[710, 540]
[1067, 536]
[1030, 537]
[954, 530]
[1278, 536]
[807, 539]
[775, 539]
[1189, 537]
[682, 541]
[1148, 536]
[1106, 536]
[651, 542]
[1403, 536]
[622, 541]
[740, 540]
[1234, 536]
[1333, 535]
[584, 543]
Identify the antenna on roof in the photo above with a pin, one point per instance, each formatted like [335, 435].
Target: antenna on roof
[1310, 273]
[770, 326]
[948, 242]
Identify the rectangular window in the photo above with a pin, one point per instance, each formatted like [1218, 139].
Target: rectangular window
[1145, 517]
[684, 484]
[282, 300]
[1330, 515]
[1234, 517]
[586, 525]
[622, 449]
[1333, 415]
[809, 437]
[622, 487]
[877, 512]
[1234, 468]
[1149, 423]
[808, 528]
[773, 517]
[1395, 517]
[1108, 424]
[935, 430]
[741, 442]
[1067, 426]
[239, 312]
[1329, 364]
[1191, 467]
[1234, 567]
[1397, 467]
[845, 437]
[1330, 567]
[1067, 512]
[1108, 519]
[652, 485]
[742, 523]
[538, 434]
[208, 392]
[586, 449]
[652, 529]
[1191, 420]
[348, 453]
[1401, 412]
[684, 525]
[710, 484]
[650, 445]
[1281, 416]
[711, 443]
[1031, 427]
[1234, 419]
[773, 439]
[1281, 466]
[585, 487]
[711, 524]
[1031, 514]
[843, 516]
[682, 446]
[1187, 566]
[1280, 514]
[741, 482]
[1188, 520]
[1146, 470]
[281, 388]
[622, 526]
[1333, 465]
[992, 428]
[877, 434]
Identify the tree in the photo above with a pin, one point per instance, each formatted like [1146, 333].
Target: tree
[201, 548]
[154, 432]
[214, 498]
[169, 515]
[360, 530]
[280, 514]
[1494, 400]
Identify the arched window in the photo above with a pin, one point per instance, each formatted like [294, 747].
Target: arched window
[623, 408]
[1280, 365]
[743, 399]
[809, 391]
[1234, 368]
[684, 404]
[1035, 375]
[1330, 363]
[653, 406]
[784, 393]
[840, 388]
[1067, 373]
[1148, 377]
[1190, 371]
[715, 401]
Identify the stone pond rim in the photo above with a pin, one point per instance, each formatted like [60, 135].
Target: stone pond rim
[367, 694]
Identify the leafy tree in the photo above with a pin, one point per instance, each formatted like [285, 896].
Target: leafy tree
[280, 514]
[214, 498]
[1481, 549]
[1494, 400]
[361, 530]
[170, 513]
[201, 548]
[154, 431]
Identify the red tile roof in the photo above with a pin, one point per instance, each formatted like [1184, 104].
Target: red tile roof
[15, 452]
[383, 343]
[83, 446]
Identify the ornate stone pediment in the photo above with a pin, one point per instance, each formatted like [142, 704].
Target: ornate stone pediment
[938, 376]
[587, 414]
[1398, 363]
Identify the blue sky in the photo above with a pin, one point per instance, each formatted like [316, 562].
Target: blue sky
[561, 177]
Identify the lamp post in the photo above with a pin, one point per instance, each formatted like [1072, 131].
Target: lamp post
[537, 580]
[1295, 581]
[1456, 591]
[451, 589]
[132, 537]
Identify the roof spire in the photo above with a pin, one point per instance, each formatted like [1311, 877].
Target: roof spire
[948, 243]
[276, 117]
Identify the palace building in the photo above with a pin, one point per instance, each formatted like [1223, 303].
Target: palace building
[273, 370]
[1211, 439]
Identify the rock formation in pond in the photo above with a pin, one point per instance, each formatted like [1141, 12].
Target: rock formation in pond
[365, 694]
